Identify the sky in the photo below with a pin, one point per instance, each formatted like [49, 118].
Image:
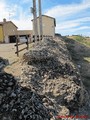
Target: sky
[72, 16]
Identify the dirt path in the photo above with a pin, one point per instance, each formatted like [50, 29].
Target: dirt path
[81, 56]
[7, 51]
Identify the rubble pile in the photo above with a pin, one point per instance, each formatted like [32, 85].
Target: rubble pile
[20, 103]
[3, 63]
[48, 70]
[50, 85]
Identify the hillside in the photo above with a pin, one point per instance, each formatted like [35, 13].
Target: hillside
[81, 39]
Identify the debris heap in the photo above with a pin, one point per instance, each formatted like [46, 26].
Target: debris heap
[50, 85]
[20, 103]
[48, 70]
[17, 102]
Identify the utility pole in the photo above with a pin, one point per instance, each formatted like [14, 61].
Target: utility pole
[40, 19]
[35, 19]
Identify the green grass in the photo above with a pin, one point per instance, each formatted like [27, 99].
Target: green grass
[81, 39]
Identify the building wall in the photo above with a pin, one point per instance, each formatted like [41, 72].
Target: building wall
[24, 34]
[9, 30]
[1, 34]
[48, 26]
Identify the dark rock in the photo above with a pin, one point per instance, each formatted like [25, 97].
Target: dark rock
[3, 63]
[20, 103]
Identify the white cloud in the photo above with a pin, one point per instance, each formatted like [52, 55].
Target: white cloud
[66, 26]
[24, 19]
[83, 28]
[3, 11]
[71, 18]
[7, 11]
[86, 2]
[65, 10]
[26, 1]
[72, 23]
[16, 14]
[77, 29]
[23, 24]
[74, 26]
[63, 14]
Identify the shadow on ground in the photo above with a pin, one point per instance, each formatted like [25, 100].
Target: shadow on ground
[81, 57]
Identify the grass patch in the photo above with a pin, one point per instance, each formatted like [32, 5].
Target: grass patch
[81, 39]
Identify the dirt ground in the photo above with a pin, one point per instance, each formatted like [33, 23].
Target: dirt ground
[7, 51]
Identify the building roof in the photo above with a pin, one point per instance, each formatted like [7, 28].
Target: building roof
[2, 23]
[48, 17]
[24, 32]
[45, 16]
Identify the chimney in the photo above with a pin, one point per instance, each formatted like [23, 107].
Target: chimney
[4, 20]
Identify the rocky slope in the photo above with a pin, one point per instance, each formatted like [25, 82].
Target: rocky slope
[48, 70]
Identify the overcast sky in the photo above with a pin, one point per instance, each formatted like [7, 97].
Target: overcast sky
[72, 16]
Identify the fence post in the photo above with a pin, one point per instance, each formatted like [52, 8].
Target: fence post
[17, 46]
[27, 43]
[37, 37]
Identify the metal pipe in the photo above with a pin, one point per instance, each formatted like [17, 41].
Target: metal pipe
[35, 19]
[40, 19]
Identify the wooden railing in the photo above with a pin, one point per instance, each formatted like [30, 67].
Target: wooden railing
[32, 39]
[19, 44]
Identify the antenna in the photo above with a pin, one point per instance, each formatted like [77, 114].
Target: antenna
[10, 15]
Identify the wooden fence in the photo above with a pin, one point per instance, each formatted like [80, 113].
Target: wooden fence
[32, 39]
[19, 44]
